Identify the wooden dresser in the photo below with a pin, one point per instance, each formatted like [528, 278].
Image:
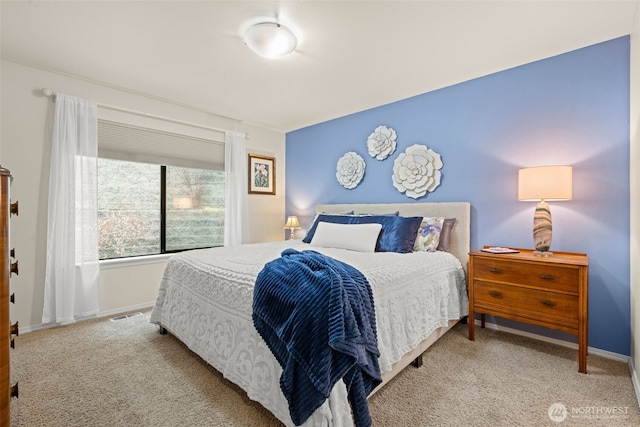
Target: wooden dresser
[547, 291]
[7, 330]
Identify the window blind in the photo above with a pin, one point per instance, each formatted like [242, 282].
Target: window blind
[122, 141]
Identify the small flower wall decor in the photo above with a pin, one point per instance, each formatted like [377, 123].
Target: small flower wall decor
[382, 142]
[350, 170]
[417, 171]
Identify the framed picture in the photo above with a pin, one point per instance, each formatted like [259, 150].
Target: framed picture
[262, 174]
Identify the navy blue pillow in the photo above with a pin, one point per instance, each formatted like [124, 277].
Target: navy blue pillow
[398, 233]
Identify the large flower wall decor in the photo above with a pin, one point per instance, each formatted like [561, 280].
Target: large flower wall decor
[417, 171]
[350, 170]
[382, 142]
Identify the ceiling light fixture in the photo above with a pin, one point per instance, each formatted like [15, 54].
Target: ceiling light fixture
[270, 39]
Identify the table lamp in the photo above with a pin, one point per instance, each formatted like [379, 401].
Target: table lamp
[292, 224]
[543, 184]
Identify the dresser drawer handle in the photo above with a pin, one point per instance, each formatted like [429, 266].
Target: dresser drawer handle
[495, 270]
[547, 302]
[547, 277]
[495, 293]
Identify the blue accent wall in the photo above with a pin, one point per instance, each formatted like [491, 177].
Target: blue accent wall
[571, 109]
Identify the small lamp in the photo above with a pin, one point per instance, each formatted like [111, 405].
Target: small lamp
[542, 184]
[292, 224]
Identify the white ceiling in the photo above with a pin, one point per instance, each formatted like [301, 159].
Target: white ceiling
[352, 55]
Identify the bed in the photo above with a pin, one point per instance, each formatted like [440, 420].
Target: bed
[205, 300]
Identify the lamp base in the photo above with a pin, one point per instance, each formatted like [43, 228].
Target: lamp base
[542, 227]
[543, 253]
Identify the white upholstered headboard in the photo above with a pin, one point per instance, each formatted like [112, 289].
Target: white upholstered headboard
[461, 211]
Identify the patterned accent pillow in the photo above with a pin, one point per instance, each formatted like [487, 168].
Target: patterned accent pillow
[429, 234]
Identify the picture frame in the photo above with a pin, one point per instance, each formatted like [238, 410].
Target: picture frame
[262, 174]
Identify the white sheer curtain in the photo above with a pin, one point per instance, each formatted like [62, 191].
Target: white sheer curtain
[72, 269]
[235, 199]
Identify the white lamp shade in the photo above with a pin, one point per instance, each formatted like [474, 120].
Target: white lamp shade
[270, 39]
[292, 222]
[545, 183]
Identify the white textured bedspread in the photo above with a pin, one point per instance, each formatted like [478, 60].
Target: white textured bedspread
[205, 300]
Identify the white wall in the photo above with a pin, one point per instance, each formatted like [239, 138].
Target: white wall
[26, 118]
[634, 159]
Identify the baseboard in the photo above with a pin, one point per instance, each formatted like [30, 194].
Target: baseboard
[634, 379]
[108, 313]
[126, 309]
[591, 350]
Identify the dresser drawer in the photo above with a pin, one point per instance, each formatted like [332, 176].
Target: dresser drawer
[535, 304]
[540, 275]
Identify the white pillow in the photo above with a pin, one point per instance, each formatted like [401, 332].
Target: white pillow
[356, 237]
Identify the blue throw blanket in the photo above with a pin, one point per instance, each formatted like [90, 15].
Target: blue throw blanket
[316, 314]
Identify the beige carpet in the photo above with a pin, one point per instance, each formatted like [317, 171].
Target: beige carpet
[124, 373]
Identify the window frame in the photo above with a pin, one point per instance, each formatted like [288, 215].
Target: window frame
[164, 253]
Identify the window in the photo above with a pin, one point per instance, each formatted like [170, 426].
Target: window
[133, 219]
[194, 208]
[171, 198]
[128, 209]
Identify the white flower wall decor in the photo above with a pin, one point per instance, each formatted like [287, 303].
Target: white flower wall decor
[350, 170]
[382, 142]
[417, 171]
